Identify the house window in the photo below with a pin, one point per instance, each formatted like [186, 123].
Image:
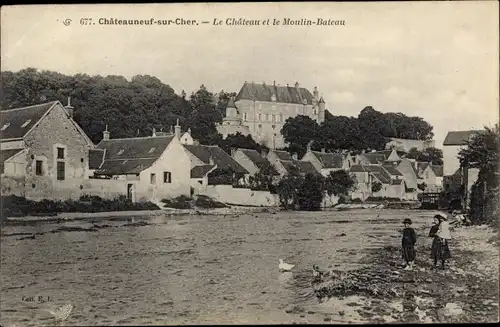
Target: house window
[60, 153]
[61, 173]
[39, 168]
[4, 127]
[26, 123]
[167, 177]
[245, 116]
[153, 178]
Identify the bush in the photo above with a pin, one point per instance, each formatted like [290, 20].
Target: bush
[206, 202]
[382, 199]
[15, 206]
[180, 202]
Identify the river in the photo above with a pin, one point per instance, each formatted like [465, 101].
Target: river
[183, 270]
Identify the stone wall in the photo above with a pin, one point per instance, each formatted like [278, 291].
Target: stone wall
[240, 196]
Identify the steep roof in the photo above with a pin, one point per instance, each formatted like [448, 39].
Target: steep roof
[284, 94]
[96, 158]
[130, 155]
[259, 160]
[283, 155]
[124, 166]
[459, 137]
[135, 147]
[220, 158]
[358, 169]
[397, 182]
[438, 170]
[6, 154]
[201, 170]
[381, 177]
[328, 160]
[392, 170]
[305, 167]
[21, 120]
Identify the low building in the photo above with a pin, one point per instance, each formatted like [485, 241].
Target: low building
[379, 157]
[391, 183]
[44, 152]
[453, 143]
[210, 165]
[254, 162]
[151, 168]
[326, 162]
[431, 175]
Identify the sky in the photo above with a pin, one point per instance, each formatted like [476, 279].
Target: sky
[435, 60]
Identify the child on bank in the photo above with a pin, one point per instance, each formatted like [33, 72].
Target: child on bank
[408, 244]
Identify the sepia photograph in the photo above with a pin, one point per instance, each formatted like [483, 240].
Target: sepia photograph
[249, 163]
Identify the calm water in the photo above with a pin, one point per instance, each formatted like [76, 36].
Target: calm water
[195, 269]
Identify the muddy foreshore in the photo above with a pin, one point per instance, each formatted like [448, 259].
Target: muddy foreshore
[467, 291]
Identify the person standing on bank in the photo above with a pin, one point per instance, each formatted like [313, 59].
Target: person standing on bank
[441, 233]
[408, 244]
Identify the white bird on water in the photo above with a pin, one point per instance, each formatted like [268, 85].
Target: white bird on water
[62, 313]
[283, 266]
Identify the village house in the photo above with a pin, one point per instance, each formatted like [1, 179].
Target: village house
[260, 110]
[44, 152]
[285, 163]
[254, 162]
[210, 165]
[392, 185]
[328, 162]
[410, 176]
[431, 175]
[379, 157]
[151, 168]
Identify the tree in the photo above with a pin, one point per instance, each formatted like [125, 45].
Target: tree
[238, 141]
[288, 189]
[311, 191]
[432, 155]
[482, 152]
[339, 183]
[299, 131]
[376, 186]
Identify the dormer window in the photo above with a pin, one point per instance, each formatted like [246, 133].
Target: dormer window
[304, 101]
[152, 150]
[4, 127]
[26, 123]
[120, 152]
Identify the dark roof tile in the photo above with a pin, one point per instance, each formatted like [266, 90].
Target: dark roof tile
[329, 160]
[96, 158]
[201, 171]
[459, 137]
[284, 94]
[124, 166]
[438, 170]
[259, 160]
[220, 158]
[392, 170]
[21, 120]
[135, 148]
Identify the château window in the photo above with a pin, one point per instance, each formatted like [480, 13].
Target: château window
[167, 177]
[39, 168]
[152, 178]
[60, 153]
[267, 117]
[260, 117]
[273, 118]
[245, 116]
[281, 117]
[61, 170]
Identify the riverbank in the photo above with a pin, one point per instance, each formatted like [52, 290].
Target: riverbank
[120, 215]
[465, 292]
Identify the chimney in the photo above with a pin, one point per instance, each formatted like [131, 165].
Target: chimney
[69, 108]
[189, 131]
[363, 151]
[105, 134]
[233, 150]
[178, 130]
[323, 150]
[171, 129]
[294, 156]
[154, 132]
[263, 152]
[297, 84]
[210, 160]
